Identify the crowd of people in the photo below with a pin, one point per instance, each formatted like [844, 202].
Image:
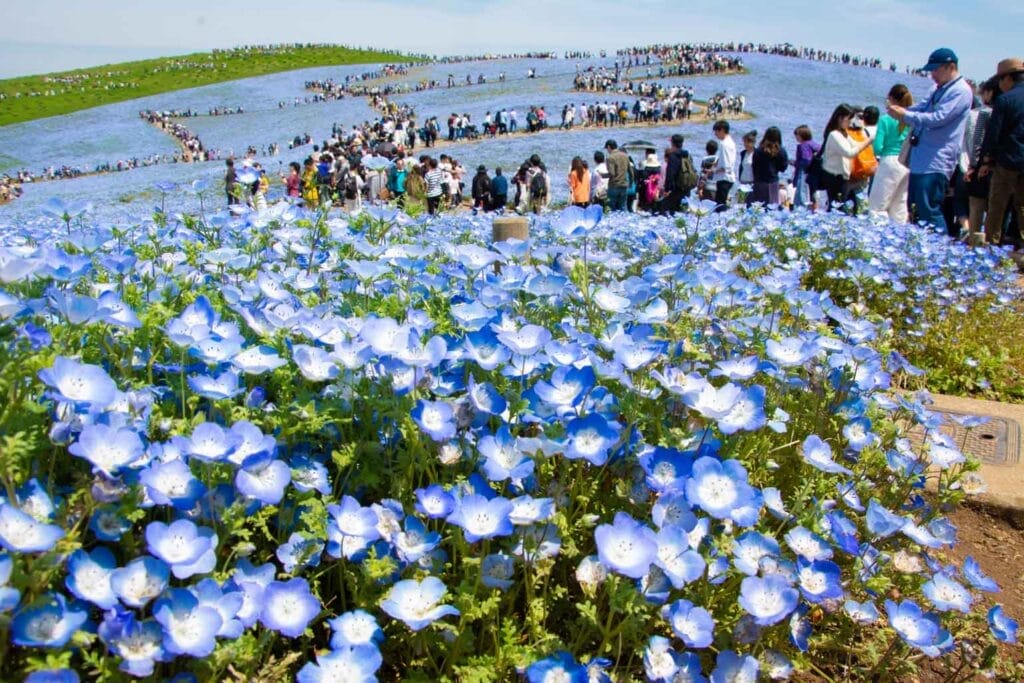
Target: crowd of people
[676, 53]
[10, 188]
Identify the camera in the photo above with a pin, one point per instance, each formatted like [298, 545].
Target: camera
[915, 139]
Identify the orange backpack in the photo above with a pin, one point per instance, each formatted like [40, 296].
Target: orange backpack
[864, 164]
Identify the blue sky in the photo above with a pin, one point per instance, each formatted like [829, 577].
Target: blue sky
[46, 35]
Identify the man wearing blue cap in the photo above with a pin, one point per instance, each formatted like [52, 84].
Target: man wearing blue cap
[937, 131]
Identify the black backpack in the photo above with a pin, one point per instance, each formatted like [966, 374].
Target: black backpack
[538, 188]
[687, 178]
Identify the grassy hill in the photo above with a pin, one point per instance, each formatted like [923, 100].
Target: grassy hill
[34, 97]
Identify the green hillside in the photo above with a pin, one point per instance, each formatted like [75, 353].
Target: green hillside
[34, 97]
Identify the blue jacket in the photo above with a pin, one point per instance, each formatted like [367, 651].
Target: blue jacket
[939, 123]
[1004, 135]
[499, 185]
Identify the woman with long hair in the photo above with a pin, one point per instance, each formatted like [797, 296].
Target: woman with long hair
[579, 183]
[888, 196]
[770, 159]
[838, 153]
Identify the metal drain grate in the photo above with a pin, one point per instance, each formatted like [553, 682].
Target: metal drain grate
[997, 442]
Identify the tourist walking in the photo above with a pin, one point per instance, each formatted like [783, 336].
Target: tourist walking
[937, 131]
[1002, 152]
[888, 196]
[434, 178]
[599, 180]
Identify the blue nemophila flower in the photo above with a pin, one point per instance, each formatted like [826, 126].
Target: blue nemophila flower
[918, 629]
[861, 612]
[574, 221]
[567, 387]
[189, 627]
[75, 308]
[435, 418]
[750, 548]
[264, 481]
[791, 351]
[712, 402]
[414, 541]
[946, 594]
[769, 599]
[188, 549]
[9, 596]
[50, 621]
[731, 667]
[20, 532]
[314, 363]
[800, 629]
[288, 607]
[881, 521]
[526, 340]
[140, 580]
[1002, 627]
[172, 483]
[667, 468]
[108, 449]
[299, 552]
[357, 627]
[211, 443]
[416, 602]
[528, 510]
[662, 663]
[626, 546]
[977, 578]
[79, 383]
[223, 386]
[227, 600]
[481, 518]
[350, 528]
[720, 488]
[843, 532]
[560, 666]
[747, 412]
[591, 438]
[89, 576]
[434, 502]
[350, 663]
[808, 544]
[671, 509]
[858, 434]
[819, 580]
[818, 454]
[693, 624]
[497, 570]
[52, 676]
[503, 459]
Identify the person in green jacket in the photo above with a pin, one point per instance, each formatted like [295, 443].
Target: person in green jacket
[888, 197]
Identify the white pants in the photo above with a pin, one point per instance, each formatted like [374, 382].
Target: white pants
[888, 198]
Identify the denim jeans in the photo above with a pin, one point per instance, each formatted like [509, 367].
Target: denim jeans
[617, 198]
[926, 193]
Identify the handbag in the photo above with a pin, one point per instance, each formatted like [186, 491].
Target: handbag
[904, 155]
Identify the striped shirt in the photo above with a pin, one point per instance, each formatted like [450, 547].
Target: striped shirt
[434, 179]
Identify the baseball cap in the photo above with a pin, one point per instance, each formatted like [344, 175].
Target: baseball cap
[939, 57]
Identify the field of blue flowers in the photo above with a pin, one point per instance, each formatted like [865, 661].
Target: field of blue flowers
[332, 447]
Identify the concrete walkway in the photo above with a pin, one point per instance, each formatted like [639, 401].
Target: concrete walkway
[996, 444]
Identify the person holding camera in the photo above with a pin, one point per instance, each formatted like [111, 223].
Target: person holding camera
[937, 132]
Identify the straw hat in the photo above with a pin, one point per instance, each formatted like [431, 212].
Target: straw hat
[1011, 65]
